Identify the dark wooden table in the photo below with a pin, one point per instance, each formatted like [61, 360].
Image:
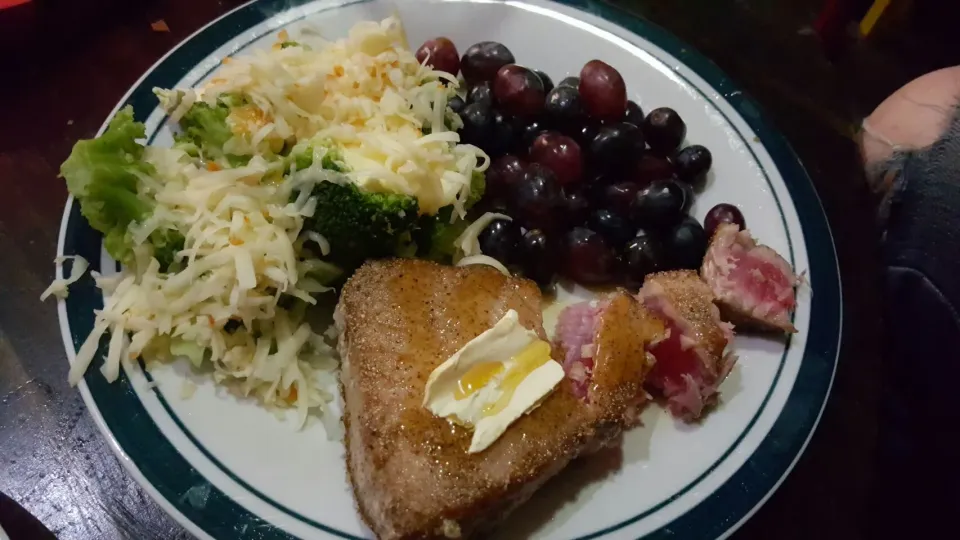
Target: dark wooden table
[73, 60]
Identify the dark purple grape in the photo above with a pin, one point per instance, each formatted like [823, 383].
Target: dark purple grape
[538, 198]
[538, 256]
[502, 136]
[616, 146]
[588, 258]
[618, 198]
[664, 130]
[481, 93]
[440, 53]
[482, 61]
[500, 240]
[572, 82]
[563, 108]
[526, 132]
[456, 104]
[686, 244]
[658, 205]
[689, 197]
[477, 125]
[518, 91]
[613, 227]
[546, 80]
[594, 186]
[634, 114]
[577, 208]
[692, 163]
[560, 154]
[504, 174]
[651, 167]
[603, 91]
[643, 255]
[723, 213]
[584, 132]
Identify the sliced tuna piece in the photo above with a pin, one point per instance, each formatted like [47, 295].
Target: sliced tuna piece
[753, 285]
[603, 344]
[691, 360]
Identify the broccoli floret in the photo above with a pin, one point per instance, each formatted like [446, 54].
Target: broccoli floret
[301, 157]
[361, 225]
[206, 127]
[478, 186]
[288, 43]
[435, 236]
[205, 130]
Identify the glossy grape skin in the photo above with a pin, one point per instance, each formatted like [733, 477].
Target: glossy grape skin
[650, 168]
[614, 228]
[689, 196]
[584, 132]
[481, 61]
[603, 91]
[594, 186]
[692, 163]
[634, 114]
[546, 80]
[560, 154]
[658, 205]
[572, 82]
[538, 198]
[563, 108]
[722, 213]
[588, 258]
[477, 125]
[664, 130]
[502, 135]
[616, 145]
[481, 93]
[643, 255]
[500, 240]
[456, 104]
[538, 256]
[618, 198]
[503, 175]
[526, 131]
[576, 209]
[440, 53]
[518, 91]
[686, 244]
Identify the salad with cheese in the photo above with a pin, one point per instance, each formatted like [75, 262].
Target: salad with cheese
[291, 166]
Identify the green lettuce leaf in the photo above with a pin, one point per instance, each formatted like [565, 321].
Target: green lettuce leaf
[103, 173]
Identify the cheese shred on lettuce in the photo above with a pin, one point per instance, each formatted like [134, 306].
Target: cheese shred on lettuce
[233, 298]
[384, 112]
[289, 163]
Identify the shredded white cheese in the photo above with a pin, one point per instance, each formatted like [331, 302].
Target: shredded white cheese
[366, 95]
[59, 286]
[483, 259]
[468, 242]
[223, 306]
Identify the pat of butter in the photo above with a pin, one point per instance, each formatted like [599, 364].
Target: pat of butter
[493, 380]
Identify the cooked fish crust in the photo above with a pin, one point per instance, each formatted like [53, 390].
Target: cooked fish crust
[410, 471]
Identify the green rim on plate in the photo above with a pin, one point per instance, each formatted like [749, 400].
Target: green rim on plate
[156, 458]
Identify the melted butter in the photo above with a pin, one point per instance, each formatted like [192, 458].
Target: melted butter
[476, 378]
[524, 363]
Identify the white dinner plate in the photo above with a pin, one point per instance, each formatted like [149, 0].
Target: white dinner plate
[225, 468]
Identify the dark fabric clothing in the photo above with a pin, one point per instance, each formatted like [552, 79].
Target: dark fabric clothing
[918, 466]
